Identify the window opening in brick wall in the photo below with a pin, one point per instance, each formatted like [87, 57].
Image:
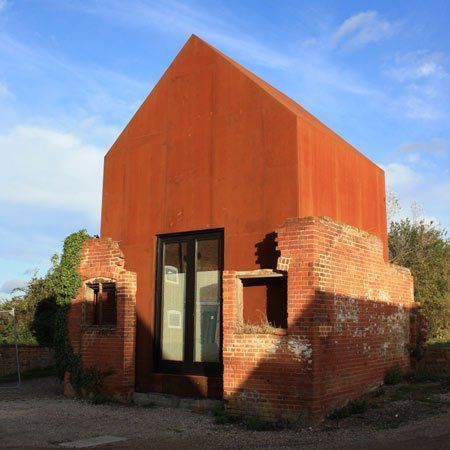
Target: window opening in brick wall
[264, 301]
[101, 303]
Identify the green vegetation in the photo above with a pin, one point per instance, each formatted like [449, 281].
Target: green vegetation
[35, 308]
[150, 405]
[439, 343]
[423, 385]
[394, 375]
[223, 417]
[429, 375]
[42, 315]
[424, 248]
[404, 392]
[358, 406]
[65, 283]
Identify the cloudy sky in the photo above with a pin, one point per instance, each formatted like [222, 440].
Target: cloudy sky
[73, 72]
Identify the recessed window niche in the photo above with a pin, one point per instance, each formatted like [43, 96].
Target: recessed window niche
[262, 296]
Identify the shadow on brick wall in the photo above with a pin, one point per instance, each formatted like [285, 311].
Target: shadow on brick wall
[337, 348]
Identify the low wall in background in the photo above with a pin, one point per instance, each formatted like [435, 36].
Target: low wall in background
[438, 358]
[30, 357]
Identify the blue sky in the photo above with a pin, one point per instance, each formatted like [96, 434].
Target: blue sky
[72, 73]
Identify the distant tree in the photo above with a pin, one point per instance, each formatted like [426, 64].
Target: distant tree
[35, 308]
[423, 247]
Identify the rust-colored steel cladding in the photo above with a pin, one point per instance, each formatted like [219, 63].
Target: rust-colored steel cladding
[214, 146]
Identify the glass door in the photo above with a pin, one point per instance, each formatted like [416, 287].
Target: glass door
[188, 295]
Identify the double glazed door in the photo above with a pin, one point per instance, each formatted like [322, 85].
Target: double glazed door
[188, 295]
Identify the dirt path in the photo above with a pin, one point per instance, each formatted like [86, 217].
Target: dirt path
[40, 417]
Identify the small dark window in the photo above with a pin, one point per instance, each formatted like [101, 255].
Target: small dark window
[265, 301]
[104, 304]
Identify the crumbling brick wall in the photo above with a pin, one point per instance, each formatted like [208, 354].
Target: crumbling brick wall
[106, 347]
[348, 323]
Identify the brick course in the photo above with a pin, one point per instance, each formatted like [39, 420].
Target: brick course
[106, 347]
[348, 323]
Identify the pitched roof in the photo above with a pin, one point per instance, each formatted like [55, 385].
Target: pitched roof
[286, 101]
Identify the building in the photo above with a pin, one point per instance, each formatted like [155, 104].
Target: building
[252, 240]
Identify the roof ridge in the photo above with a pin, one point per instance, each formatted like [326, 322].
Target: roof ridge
[284, 99]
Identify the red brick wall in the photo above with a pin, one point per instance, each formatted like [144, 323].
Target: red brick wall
[107, 347]
[438, 358]
[348, 323]
[30, 357]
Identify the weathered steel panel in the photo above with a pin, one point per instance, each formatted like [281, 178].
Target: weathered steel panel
[214, 146]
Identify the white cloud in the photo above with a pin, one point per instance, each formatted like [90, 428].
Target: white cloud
[400, 177]
[9, 285]
[417, 104]
[49, 168]
[423, 192]
[418, 65]
[4, 91]
[436, 147]
[364, 28]
[422, 84]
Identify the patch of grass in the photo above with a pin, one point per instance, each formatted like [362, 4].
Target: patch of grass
[404, 392]
[425, 375]
[434, 401]
[446, 381]
[378, 392]
[223, 417]
[394, 375]
[358, 406]
[439, 343]
[257, 424]
[150, 405]
[37, 372]
[99, 399]
[388, 425]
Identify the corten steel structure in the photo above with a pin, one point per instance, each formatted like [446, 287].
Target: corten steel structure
[197, 186]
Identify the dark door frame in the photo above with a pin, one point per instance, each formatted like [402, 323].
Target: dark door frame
[187, 366]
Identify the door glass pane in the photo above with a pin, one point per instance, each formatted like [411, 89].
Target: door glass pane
[173, 300]
[207, 302]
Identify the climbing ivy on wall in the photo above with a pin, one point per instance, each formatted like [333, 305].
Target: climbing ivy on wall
[65, 283]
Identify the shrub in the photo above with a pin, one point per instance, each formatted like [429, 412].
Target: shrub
[394, 375]
[424, 248]
[35, 308]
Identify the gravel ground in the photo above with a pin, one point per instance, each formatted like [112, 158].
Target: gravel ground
[38, 416]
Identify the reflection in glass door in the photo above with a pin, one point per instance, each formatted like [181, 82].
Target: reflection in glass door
[207, 301]
[188, 324]
[173, 301]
